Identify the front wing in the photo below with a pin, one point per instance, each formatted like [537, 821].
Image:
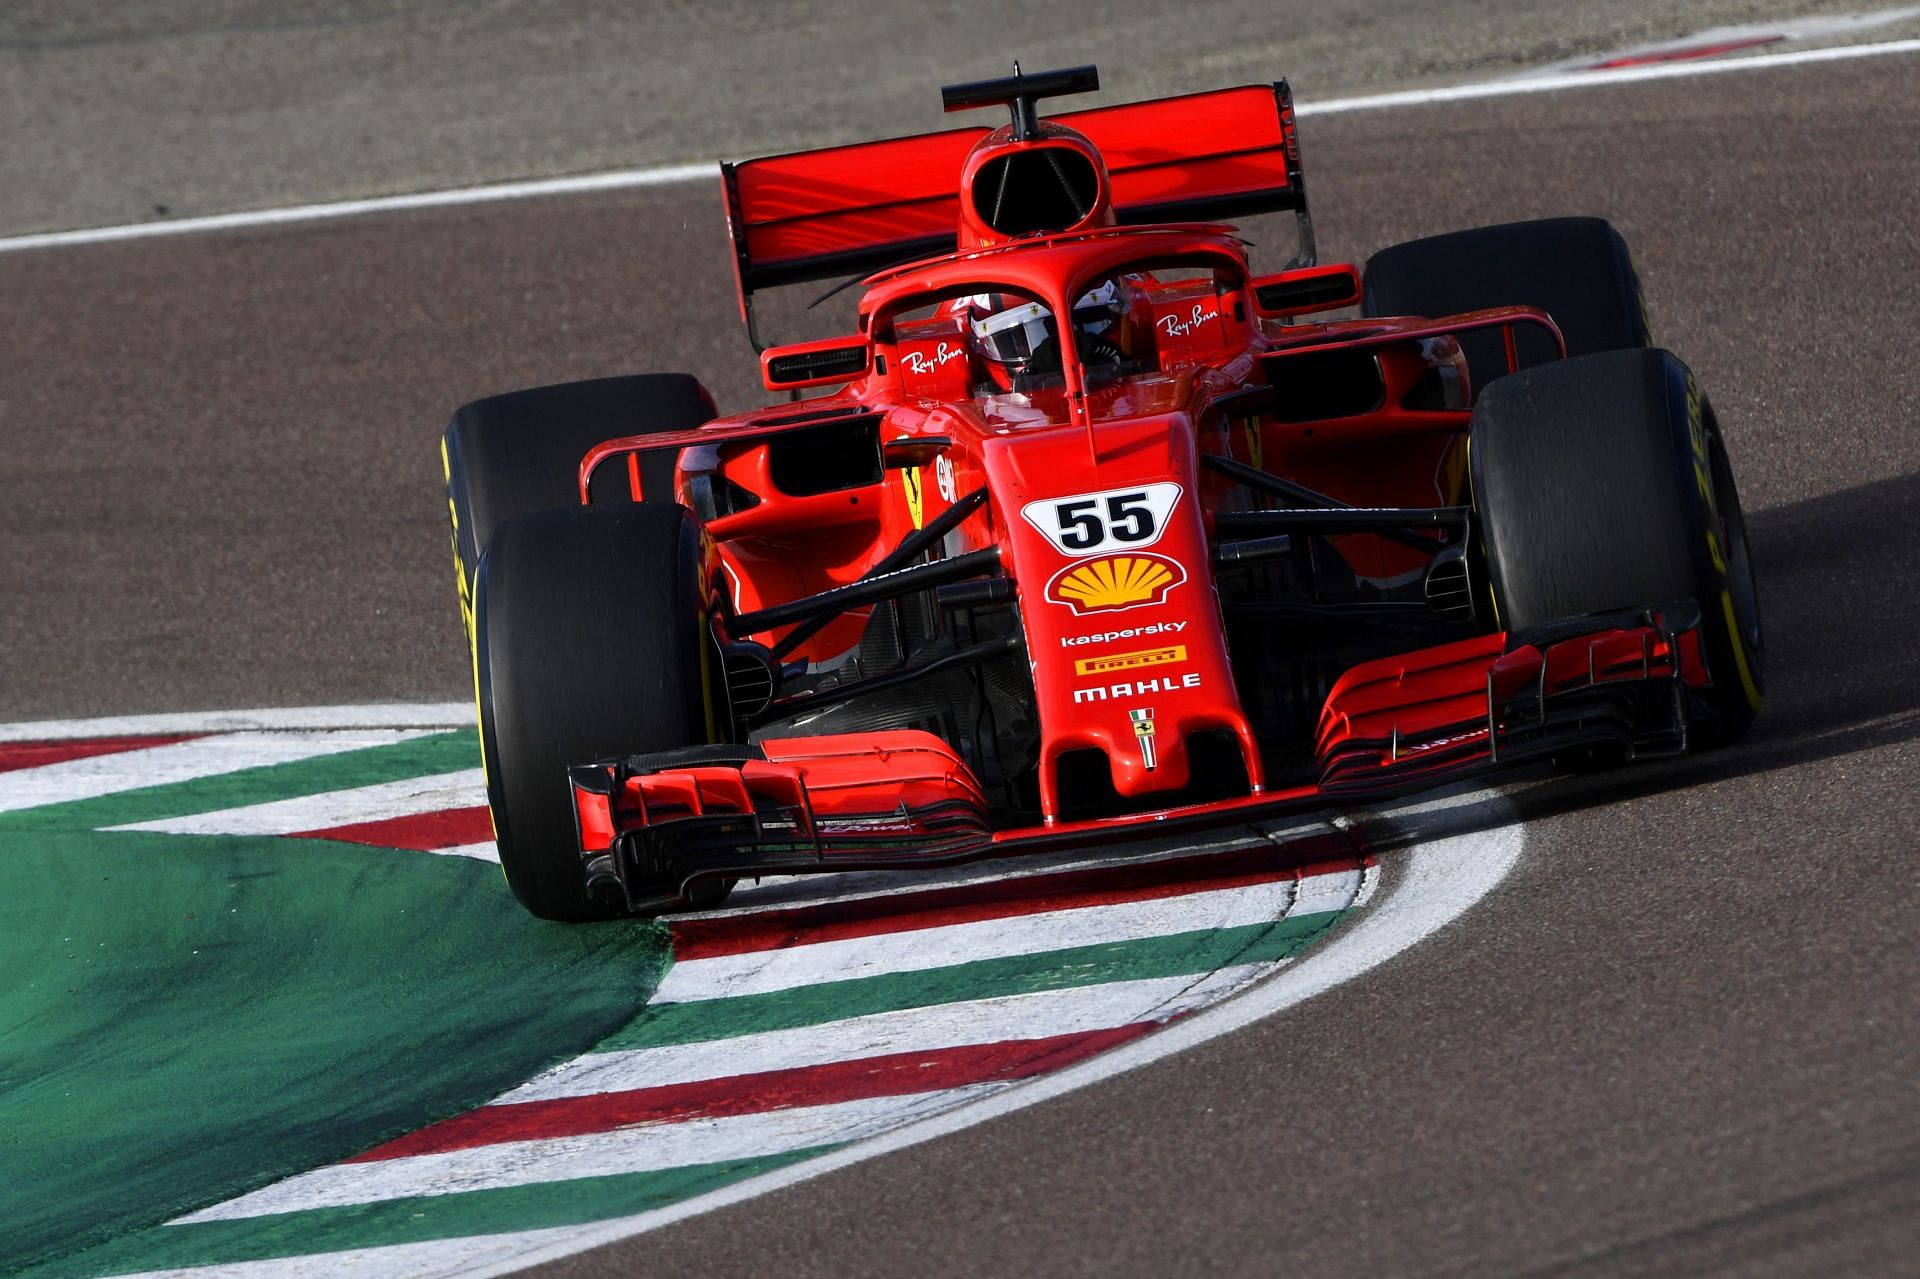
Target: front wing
[651, 827]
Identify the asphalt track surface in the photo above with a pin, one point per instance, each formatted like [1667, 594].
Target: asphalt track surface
[1679, 1039]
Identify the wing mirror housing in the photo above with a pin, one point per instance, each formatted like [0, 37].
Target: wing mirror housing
[825, 362]
[1307, 290]
[914, 450]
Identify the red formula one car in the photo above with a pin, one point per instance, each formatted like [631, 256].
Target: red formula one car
[1086, 529]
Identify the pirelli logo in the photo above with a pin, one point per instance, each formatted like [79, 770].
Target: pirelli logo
[1112, 662]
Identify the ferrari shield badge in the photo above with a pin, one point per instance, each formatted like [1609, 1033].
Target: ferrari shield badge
[1142, 718]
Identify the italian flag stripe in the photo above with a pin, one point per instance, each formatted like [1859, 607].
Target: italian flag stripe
[967, 1021]
[430, 797]
[225, 771]
[753, 1113]
[799, 968]
[623, 1150]
[851, 1103]
[829, 1000]
[340, 1234]
[422, 832]
[18, 755]
[856, 1079]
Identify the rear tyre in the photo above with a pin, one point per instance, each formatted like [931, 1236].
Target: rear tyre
[1577, 270]
[1600, 484]
[591, 641]
[511, 455]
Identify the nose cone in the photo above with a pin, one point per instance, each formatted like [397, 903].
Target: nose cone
[1124, 639]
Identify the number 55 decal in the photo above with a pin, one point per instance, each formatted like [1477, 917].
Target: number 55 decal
[1122, 519]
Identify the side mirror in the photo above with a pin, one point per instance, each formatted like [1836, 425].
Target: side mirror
[1307, 290]
[914, 450]
[825, 362]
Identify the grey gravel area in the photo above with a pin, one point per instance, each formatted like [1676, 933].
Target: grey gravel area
[130, 110]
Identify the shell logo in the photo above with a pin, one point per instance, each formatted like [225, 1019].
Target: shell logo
[1114, 582]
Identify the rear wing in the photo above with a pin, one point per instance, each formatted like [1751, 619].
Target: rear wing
[852, 210]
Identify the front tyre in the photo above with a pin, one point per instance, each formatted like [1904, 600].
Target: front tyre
[591, 641]
[1602, 484]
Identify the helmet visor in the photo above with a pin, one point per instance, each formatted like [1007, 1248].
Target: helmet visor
[1012, 335]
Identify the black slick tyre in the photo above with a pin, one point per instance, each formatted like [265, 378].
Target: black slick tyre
[1602, 484]
[511, 455]
[591, 641]
[1577, 270]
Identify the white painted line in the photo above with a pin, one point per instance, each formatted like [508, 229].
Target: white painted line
[617, 180]
[671, 174]
[181, 762]
[1815, 28]
[483, 852]
[1338, 890]
[919, 950]
[643, 1148]
[406, 798]
[1596, 79]
[434, 1259]
[1036, 1015]
[437, 716]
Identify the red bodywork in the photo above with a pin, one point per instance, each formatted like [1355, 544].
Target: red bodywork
[1126, 641]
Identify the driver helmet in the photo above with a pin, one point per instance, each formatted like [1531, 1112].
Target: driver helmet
[1010, 333]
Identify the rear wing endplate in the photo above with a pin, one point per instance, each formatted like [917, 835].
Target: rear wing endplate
[853, 210]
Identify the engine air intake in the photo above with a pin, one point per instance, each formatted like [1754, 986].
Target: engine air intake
[1039, 189]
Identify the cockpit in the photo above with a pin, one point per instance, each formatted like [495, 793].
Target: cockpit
[1147, 318]
[1016, 340]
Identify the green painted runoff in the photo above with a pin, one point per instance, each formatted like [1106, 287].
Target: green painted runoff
[186, 1018]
